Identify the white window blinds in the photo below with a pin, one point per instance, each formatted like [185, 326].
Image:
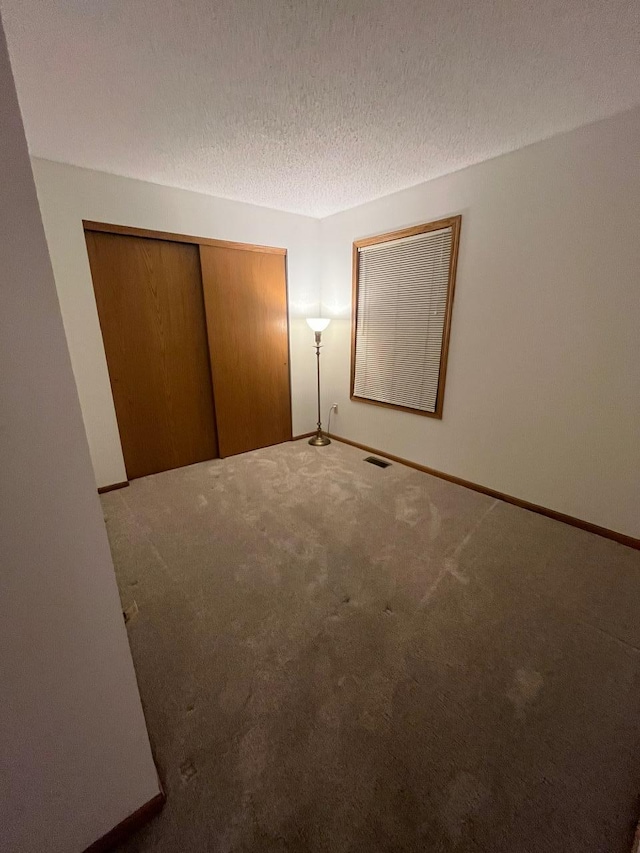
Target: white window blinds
[403, 288]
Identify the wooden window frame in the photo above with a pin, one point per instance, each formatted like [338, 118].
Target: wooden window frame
[452, 222]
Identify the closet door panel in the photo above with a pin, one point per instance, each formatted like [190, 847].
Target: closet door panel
[245, 294]
[151, 309]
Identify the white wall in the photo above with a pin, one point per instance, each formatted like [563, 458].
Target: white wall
[74, 754]
[68, 195]
[543, 396]
[543, 387]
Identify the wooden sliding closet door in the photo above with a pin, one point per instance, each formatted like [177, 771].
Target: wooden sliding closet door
[245, 294]
[150, 304]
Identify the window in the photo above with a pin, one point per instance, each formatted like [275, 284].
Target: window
[403, 297]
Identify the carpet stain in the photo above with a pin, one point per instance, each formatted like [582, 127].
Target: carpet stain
[525, 688]
[469, 536]
[435, 521]
[187, 771]
[450, 563]
[253, 757]
[407, 506]
[452, 568]
[235, 696]
[466, 796]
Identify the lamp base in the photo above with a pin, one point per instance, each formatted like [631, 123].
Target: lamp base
[319, 440]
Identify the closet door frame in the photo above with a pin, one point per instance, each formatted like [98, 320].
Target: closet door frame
[131, 231]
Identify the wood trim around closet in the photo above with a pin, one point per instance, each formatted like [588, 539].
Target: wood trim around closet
[130, 231]
[112, 487]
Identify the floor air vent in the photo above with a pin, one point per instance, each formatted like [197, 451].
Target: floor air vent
[379, 462]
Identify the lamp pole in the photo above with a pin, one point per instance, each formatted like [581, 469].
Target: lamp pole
[318, 325]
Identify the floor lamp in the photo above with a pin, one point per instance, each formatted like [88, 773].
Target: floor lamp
[318, 325]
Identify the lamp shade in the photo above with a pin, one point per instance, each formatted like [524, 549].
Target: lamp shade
[318, 324]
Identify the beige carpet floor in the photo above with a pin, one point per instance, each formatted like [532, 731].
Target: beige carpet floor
[336, 657]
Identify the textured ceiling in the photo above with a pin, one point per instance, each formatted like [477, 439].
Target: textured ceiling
[312, 105]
